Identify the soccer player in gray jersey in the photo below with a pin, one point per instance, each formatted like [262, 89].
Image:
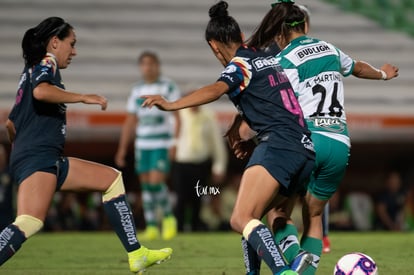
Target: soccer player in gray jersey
[315, 69]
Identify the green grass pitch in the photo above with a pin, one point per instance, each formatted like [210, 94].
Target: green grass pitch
[194, 254]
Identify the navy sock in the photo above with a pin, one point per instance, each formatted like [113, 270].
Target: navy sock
[261, 240]
[121, 219]
[251, 259]
[11, 239]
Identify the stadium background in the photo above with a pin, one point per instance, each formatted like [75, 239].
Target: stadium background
[111, 34]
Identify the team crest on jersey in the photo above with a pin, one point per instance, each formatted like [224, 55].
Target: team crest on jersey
[49, 62]
[230, 69]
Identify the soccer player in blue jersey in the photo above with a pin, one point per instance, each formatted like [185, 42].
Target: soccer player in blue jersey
[315, 68]
[284, 156]
[37, 129]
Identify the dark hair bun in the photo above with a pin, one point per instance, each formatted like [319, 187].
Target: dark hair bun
[219, 10]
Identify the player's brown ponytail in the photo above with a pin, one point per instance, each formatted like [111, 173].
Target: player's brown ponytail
[283, 18]
[35, 39]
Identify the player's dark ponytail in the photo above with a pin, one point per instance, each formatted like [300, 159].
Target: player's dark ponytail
[35, 40]
[222, 27]
[282, 19]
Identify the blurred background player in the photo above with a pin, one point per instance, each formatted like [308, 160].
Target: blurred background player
[390, 202]
[154, 133]
[200, 160]
[326, 243]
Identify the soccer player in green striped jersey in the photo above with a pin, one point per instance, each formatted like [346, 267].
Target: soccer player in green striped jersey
[154, 133]
[315, 69]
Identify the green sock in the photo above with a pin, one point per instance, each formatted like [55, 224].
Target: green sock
[163, 200]
[287, 239]
[313, 246]
[148, 204]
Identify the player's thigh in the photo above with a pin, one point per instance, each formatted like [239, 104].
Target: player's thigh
[331, 161]
[156, 177]
[256, 192]
[35, 194]
[86, 175]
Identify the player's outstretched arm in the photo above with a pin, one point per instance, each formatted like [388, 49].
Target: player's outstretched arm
[201, 96]
[126, 137]
[52, 94]
[365, 70]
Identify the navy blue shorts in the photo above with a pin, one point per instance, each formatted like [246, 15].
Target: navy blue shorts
[24, 168]
[291, 169]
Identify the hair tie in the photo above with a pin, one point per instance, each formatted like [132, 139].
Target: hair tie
[295, 23]
[282, 1]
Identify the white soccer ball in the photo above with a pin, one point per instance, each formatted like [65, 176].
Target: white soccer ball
[356, 263]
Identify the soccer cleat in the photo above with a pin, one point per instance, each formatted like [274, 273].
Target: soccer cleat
[301, 262]
[142, 258]
[151, 233]
[169, 228]
[326, 245]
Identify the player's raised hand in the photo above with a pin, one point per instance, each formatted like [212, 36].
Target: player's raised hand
[158, 101]
[95, 99]
[390, 70]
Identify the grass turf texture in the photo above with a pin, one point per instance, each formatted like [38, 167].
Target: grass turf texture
[204, 253]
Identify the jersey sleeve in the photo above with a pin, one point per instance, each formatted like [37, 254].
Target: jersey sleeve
[45, 71]
[132, 102]
[347, 63]
[237, 75]
[174, 92]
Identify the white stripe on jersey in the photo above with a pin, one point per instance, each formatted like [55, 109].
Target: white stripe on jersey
[153, 143]
[342, 138]
[315, 69]
[307, 52]
[154, 125]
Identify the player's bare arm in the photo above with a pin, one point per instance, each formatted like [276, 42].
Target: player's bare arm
[127, 135]
[199, 97]
[53, 94]
[365, 70]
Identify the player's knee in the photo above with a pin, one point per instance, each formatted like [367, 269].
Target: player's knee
[315, 211]
[29, 225]
[235, 223]
[116, 189]
[238, 221]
